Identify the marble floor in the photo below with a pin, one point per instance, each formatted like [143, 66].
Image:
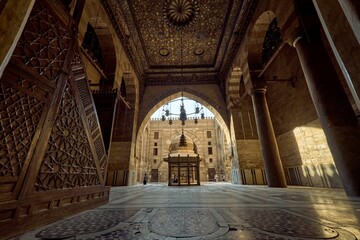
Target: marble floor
[213, 211]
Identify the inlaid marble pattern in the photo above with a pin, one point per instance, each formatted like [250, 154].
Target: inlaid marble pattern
[183, 222]
[118, 234]
[89, 222]
[213, 211]
[281, 222]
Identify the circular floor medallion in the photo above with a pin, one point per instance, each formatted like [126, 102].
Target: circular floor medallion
[183, 222]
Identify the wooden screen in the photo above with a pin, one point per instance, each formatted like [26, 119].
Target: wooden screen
[52, 156]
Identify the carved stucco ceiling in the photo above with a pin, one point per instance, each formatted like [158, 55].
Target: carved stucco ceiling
[180, 41]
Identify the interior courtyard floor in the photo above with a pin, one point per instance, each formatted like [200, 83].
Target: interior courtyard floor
[213, 211]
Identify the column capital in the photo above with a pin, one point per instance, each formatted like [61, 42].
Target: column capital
[258, 88]
[293, 37]
[296, 40]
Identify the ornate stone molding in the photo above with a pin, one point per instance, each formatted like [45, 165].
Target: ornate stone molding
[176, 79]
[243, 21]
[221, 109]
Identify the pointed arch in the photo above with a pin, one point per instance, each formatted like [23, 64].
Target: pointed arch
[157, 103]
[219, 112]
[256, 39]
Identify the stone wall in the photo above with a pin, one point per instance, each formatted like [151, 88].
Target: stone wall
[156, 96]
[95, 14]
[306, 145]
[306, 157]
[289, 102]
[303, 147]
[193, 132]
[249, 153]
[118, 164]
[251, 161]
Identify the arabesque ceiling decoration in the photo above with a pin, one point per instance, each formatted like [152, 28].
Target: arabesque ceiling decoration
[151, 31]
[180, 13]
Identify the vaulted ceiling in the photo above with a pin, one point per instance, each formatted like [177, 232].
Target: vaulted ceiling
[180, 41]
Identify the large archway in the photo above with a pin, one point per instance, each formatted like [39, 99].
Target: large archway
[219, 140]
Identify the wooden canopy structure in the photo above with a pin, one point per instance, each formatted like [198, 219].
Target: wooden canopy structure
[184, 170]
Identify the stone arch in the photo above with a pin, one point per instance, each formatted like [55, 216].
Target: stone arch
[140, 147]
[118, 65]
[175, 93]
[233, 86]
[242, 87]
[107, 46]
[188, 134]
[197, 142]
[217, 106]
[256, 39]
[262, 17]
[132, 89]
[219, 111]
[248, 58]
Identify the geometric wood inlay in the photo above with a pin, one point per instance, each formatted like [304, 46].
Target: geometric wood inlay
[84, 92]
[68, 160]
[99, 147]
[43, 44]
[92, 121]
[19, 118]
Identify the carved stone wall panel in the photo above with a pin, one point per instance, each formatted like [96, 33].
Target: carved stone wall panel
[68, 160]
[44, 43]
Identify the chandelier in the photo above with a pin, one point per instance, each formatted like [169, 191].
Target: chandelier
[182, 142]
[179, 14]
[182, 115]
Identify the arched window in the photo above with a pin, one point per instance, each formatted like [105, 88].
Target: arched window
[91, 45]
[272, 40]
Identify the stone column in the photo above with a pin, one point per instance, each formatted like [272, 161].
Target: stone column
[334, 110]
[233, 153]
[273, 166]
[341, 25]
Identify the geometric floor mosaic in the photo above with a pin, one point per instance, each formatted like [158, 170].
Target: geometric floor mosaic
[213, 211]
[285, 223]
[86, 223]
[183, 222]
